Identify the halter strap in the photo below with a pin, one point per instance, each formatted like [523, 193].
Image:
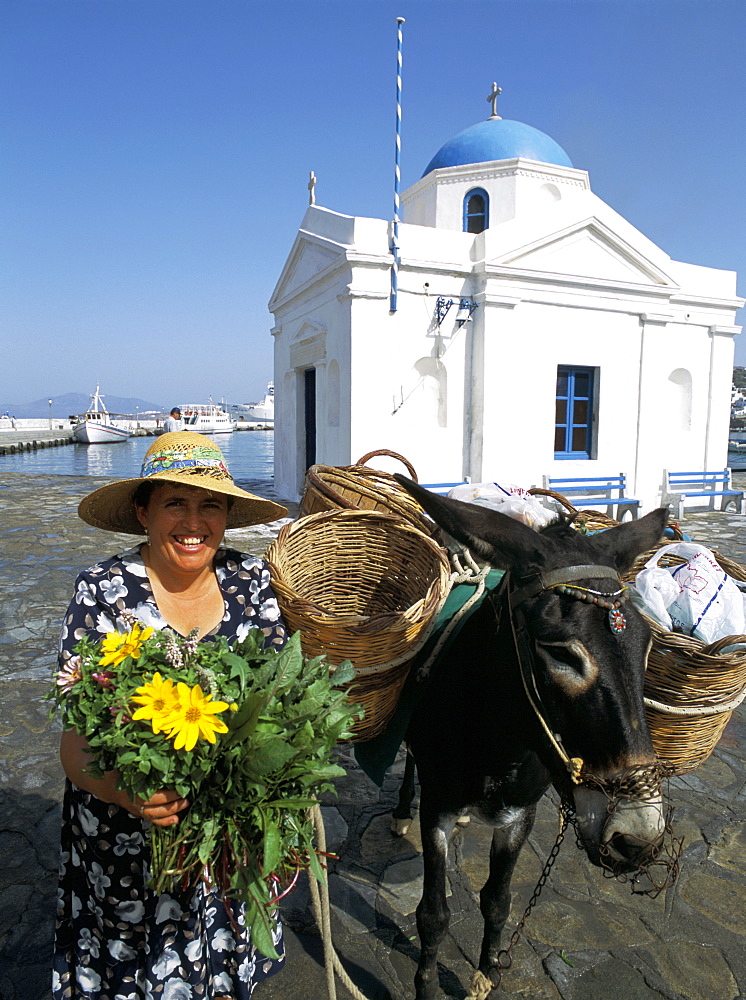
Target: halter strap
[555, 577]
[524, 647]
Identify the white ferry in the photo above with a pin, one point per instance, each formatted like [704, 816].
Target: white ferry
[263, 412]
[206, 418]
[96, 425]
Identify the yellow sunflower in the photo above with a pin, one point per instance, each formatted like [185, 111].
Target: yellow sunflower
[157, 699]
[117, 646]
[194, 716]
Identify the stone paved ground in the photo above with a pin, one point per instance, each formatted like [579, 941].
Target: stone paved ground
[587, 939]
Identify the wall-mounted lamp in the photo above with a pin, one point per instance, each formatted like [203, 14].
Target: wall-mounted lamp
[465, 308]
[442, 306]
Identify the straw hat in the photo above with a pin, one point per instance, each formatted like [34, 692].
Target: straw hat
[179, 457]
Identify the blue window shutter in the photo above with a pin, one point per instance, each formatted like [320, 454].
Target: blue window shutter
[573, 427]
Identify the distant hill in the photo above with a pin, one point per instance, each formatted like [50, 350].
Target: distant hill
[77, 402]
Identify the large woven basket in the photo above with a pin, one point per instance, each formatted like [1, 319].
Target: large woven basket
[691, 687]
[359, 487]
[361, 586]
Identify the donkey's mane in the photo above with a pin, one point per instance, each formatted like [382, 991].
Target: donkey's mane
[562, 521]
[561, 531]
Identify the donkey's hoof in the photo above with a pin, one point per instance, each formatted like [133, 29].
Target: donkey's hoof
[400, 827]
[463, 820]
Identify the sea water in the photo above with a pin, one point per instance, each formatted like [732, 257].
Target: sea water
[249, 456]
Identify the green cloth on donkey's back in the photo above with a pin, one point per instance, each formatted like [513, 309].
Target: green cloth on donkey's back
[377, 755]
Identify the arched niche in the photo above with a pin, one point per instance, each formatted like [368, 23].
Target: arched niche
[549, 193]
[433, 391]
[679, 409]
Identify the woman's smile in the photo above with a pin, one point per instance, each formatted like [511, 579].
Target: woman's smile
[190, 543]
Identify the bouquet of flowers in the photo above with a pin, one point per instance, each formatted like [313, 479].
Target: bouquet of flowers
[244, 732]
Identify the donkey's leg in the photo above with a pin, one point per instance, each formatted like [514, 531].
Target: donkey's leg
[401, 817]
[494, 898]
[432, 912]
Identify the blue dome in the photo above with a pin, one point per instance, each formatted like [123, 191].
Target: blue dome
[498, 139]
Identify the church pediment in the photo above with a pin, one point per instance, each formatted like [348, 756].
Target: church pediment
[590, 250]
[306, 262]
[308, 330]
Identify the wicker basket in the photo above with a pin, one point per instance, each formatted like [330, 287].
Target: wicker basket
[588, 521]
[691, 687]
[360, 586]
[358, 487]
[585, 521]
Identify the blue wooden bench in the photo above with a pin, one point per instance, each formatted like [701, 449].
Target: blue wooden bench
[596, 491]
[677, 486]
[443, 488]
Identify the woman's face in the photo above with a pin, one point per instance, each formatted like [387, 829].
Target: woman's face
[185, 526]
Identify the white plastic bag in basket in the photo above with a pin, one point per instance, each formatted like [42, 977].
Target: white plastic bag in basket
[697, 597]
[506, 498]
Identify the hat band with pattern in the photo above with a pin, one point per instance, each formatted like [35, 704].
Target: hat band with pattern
[171, 460]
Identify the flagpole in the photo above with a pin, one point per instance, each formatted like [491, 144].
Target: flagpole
[394, 246]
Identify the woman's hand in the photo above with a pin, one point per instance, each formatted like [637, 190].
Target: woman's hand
[161, 808]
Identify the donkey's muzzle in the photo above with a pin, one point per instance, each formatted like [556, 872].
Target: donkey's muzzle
[626, 848]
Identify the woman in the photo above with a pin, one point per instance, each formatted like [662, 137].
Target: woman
[115, 939]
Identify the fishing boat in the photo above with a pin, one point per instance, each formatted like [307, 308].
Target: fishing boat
[263, 412]
[96, 425]
[206, 418]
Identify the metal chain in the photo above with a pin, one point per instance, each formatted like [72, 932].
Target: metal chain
[504, 957]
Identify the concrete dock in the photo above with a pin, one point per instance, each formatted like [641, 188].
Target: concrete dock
[587, 939]
[15, 441]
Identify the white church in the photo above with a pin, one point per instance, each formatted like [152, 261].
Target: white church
[535, 332]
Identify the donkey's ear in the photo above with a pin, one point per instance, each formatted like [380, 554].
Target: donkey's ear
[498, 539]
[624, 543]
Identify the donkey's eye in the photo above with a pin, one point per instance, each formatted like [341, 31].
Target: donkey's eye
[559, 653]
[566, 652]
[569, 663]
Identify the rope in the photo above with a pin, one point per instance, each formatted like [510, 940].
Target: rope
[322, 913]
[481, 986]
[470, 574]
[694, 710]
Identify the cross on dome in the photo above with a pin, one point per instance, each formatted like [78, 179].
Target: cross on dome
[493, 96]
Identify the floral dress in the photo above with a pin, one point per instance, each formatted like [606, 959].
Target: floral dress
[116, 939]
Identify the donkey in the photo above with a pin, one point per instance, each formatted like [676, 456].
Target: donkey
[543, 685]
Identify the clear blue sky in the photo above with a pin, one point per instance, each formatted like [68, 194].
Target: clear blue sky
[155, 155]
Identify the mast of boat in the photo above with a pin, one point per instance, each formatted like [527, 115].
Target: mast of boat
[97, 398]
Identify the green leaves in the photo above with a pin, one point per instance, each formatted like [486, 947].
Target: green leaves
[243, 725]
[271, 847]
[250, 791]
[269, 755]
